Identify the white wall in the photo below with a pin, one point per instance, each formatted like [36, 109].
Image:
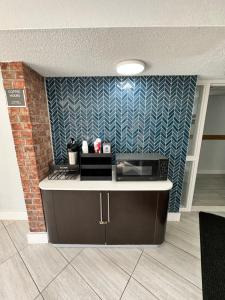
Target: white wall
[212, 156]
[12, 205]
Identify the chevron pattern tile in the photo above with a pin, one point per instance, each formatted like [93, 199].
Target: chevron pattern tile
[135, 114]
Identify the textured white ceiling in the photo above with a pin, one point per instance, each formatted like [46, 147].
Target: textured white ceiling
[49, 14]
[95, 52]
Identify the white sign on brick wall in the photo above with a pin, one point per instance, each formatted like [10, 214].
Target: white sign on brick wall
[15, 98]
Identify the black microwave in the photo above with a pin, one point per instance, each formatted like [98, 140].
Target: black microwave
[141, 167]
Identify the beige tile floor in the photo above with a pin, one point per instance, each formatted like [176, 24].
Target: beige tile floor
[170, 271]
[209, 190]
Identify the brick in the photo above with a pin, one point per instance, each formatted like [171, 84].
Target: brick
[19, 141]
[28, 200]
[19, 74]
[26, 133]
[8, 84]
[27, 126]
[7, 74]
[24, 118]
[30, 207]
[20, 158]
[13, 111]
[29, 141]
[33, 176]
[4, 66]
[17, 66]
[31, 132]
[19, 84]
[16, 133]
[26, 189]
[34, 182]
[17, 126]
[14, 118]
[23, 111]
[37, 201]
[29, 148]
[34, 189]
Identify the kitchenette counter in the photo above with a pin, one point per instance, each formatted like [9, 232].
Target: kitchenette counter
[105, 212]
[112, 185]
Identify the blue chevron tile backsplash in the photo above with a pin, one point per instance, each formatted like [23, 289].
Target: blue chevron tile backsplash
[135, 114]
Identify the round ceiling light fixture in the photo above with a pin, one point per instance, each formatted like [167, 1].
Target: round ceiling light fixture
[130, 67]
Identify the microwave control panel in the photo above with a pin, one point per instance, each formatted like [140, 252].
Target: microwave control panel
[163, 169]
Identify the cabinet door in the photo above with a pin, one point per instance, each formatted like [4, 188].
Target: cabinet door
[132, 217]
[77, 216]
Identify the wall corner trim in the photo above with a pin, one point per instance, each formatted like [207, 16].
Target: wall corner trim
[173, 216]
[13, 215]
[37, 238]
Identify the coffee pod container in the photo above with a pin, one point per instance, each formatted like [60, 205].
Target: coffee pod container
[73, 151]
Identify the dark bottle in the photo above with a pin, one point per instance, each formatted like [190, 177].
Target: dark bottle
[72, 149]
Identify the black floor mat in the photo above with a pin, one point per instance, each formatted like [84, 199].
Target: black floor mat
[212, 237]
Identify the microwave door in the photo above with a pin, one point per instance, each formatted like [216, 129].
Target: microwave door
[147, 170]
[130, 168]
[133, 168]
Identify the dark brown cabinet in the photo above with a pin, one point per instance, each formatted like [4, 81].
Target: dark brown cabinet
[73, 217]
[132, 218]
[114, 218]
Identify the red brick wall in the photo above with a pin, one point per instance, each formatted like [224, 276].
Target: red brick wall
[31, 133]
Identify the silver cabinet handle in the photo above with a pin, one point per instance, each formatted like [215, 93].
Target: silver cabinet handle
[108, 200]
[100, 202]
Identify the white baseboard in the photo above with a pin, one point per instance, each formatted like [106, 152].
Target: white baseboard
[37, 238]
[184, 209]
[13, 215]
[173, 217]
[211, 172]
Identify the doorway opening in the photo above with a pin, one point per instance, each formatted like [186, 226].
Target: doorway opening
[209, 191]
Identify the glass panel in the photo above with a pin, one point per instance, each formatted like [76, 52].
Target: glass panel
[186, 183]
[195, 117]
[137, 171]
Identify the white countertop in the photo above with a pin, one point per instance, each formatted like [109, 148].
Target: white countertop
[77, 184]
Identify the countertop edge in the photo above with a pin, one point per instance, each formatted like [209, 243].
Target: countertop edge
[77, 185]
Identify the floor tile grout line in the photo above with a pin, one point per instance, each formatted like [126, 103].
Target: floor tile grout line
[11, 238]
[69, 261]
[142, 251]
[11, 256]
[12, 221]
[85, 280]
[144, 287]
[185, 222]
[199, 258]
[182, 250]
[22, 260]
[39, 296]
[174, 271]
[117, 265]
[195, 236]
[55, 277]
[175, 226]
